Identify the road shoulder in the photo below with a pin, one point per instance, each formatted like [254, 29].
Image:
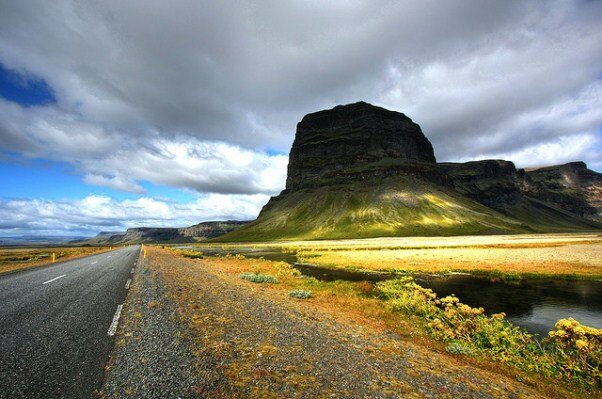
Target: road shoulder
[150, 358]
[252, 342]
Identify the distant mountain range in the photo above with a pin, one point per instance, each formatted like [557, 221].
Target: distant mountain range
[199, 232]
[359, 171]
[37, 240]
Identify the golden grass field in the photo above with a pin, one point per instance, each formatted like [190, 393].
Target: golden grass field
[533, 254]
[12, 259]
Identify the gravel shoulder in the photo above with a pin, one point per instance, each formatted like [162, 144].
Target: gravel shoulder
[150, 358]
[244, 341]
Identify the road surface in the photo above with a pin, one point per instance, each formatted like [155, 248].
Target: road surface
[55, 325]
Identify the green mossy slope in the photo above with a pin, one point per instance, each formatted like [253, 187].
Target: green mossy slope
[400, 207]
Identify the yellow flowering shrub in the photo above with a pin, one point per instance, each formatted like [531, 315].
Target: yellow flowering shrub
[579, 347]
[572, 350]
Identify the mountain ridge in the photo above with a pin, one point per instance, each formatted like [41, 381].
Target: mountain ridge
[137, 235]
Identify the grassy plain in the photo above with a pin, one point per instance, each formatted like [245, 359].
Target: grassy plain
[529, 255]
[17, 258]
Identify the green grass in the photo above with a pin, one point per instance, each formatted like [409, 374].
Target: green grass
[258, 278]
[300, 294]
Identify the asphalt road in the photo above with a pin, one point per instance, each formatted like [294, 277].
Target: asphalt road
[54, 325]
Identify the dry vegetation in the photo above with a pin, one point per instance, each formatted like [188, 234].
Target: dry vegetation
[535, 254]
[12, 259]
[353, 304]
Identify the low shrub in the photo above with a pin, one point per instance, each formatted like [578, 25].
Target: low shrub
[258, 278]
[286, 270]
[365, 287]
[578, 348]
[300, 294]
[572, 351]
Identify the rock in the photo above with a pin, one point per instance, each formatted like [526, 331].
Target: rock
[135, 235]
[492, 182]
[353, 141]
[571, 186]
[207, 230]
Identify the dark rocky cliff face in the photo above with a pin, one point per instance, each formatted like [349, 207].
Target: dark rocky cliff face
[201, 231]
[211, 229]
[498, 184]
[492, 182]
[135, 235]
[571, 186]
[152, 234]
[352, 142]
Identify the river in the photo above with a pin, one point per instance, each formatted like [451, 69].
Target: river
[533, 304]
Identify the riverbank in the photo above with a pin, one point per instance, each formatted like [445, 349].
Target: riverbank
[562, 256]
[286, 346]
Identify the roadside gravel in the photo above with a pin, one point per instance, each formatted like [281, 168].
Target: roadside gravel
[151, 358]
[252, 344]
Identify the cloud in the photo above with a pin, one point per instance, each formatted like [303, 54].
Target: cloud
[245, 73]
[95, 213]
[109, 158]
[115, 182]
[194, 94]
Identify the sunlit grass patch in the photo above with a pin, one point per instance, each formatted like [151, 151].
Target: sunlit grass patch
[193, 255]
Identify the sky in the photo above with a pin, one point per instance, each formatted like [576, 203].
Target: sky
[117, 114]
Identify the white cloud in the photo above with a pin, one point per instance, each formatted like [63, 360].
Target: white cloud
[115, 182]
[113, 159]
[95, 213]
[245, 74]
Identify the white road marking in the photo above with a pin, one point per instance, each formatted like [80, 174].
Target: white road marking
[54, 279]
[95, 262]
[127, 284]
[108, 256]
[115, 322]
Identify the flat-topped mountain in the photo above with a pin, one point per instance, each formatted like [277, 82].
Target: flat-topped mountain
[359, 170]
[353, 139]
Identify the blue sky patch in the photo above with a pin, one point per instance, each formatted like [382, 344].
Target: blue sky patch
[24, 89]
[42, 179]
[273, 152]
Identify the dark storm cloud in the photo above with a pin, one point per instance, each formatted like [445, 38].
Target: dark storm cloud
[191, 94]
